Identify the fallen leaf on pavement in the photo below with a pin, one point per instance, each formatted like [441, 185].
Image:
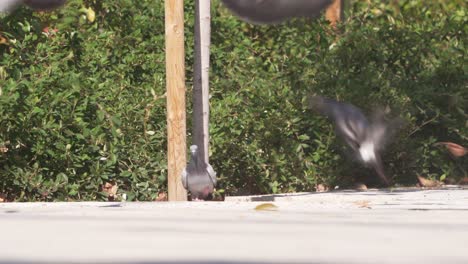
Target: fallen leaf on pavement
[450, 181]
[266, 207]
[111, 190]
[162, 197]
[360, 186]
[363, 204]
[427, 183]
[463, 181]
[321, 188]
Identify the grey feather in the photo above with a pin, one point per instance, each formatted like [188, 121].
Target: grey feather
[198, 177]
[366, 139]
[275, 11]
[9, 5]
[38, 5]
[44, 5]
[184, 178]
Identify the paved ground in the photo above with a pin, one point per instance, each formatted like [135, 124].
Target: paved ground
[399, 226]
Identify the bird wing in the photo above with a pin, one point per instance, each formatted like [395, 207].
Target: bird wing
[274, 11]
[211, 173]
[9, 5]
[383, 131]
[184, 178]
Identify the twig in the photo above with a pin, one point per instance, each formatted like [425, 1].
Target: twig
[424, 124]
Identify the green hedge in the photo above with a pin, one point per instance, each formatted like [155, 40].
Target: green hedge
[86, 105]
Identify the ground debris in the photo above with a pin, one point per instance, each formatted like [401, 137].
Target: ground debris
[266, 207]
[360, 186]
[111, 190]
[454, 149]
[321, 188]
[363, 204]
[162, 197]
[423, 182]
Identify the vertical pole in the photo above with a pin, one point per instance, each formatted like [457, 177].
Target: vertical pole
[175, 89]
[201, 77]
[334, 12]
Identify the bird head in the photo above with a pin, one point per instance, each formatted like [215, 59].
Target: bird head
[193, 150]
[194, 153]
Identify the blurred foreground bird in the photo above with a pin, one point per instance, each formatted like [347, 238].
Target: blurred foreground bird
[366, 139]
[38, 5]
[199, 177]
[275, 11]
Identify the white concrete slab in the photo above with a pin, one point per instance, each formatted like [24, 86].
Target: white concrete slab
[397, 226]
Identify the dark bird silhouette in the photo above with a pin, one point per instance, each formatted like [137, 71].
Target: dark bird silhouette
[275, 11]
[366, 139]
[199, 177]
[37, 5]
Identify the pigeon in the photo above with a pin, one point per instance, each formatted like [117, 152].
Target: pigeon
[37, 5]
[275, 11]
[199, 177]
[366, 139]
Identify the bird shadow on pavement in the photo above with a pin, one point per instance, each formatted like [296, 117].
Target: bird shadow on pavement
[273, 197]
[370, 192]
[400, 190]
[152, 262]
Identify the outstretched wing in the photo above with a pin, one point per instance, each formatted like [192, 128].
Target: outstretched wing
[9, 5]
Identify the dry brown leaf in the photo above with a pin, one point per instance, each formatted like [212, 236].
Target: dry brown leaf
[3, 198]
[266, 207]
[321, 188]
[3, 40]
[360, 186]
[463, 181]
[454, 149]
[363, 204]
[162, 197]
[450, 181]
[111, 190]
[427, 183]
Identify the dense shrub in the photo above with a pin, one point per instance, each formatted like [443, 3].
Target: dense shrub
[84, 105]
[409, 58]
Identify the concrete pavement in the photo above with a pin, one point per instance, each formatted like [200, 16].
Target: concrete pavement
[386, 226]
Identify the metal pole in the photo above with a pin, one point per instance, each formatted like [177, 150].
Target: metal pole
[201, 82]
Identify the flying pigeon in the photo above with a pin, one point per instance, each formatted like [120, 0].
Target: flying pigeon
[199, 177]
[366, 139]
[275, 11]
[37, 5]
